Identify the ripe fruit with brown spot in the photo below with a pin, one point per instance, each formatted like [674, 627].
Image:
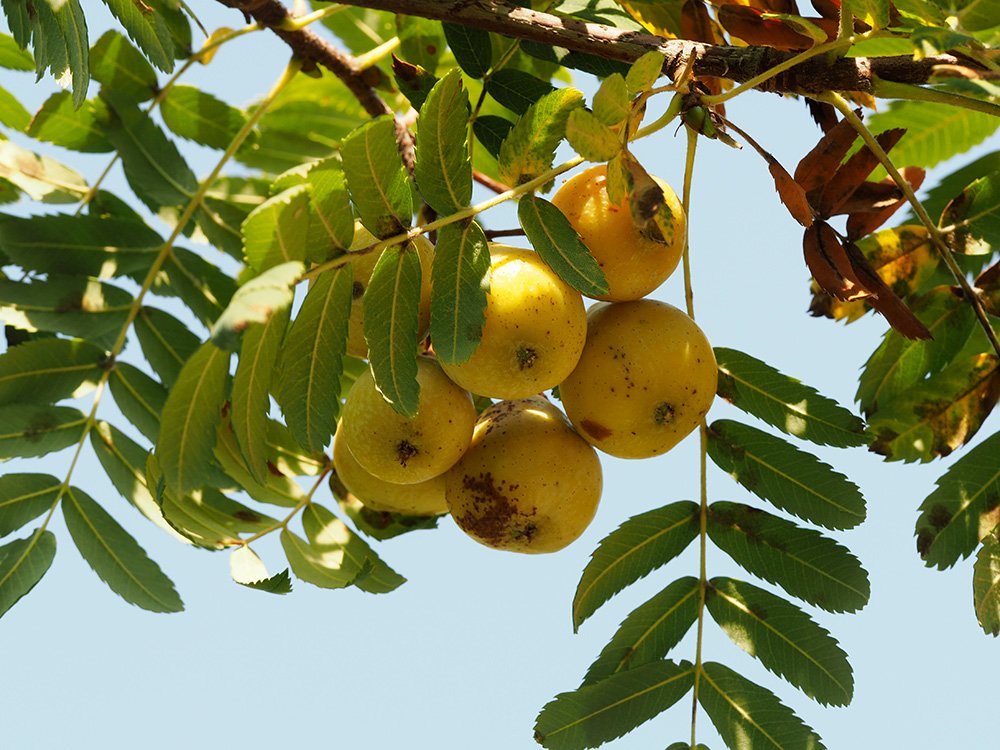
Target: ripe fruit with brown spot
[528, 483]
[534, 330]
[363, 268]
[633, 263]
[646, 378]
[406, 451]
[421, 499]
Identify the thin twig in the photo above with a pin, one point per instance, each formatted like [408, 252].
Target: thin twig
[486, 181]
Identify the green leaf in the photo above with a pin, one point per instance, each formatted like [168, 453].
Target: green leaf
[784, 402]
[978, 15]
[376, 178]
[612, 104]
[900, 363]
[80, 129]
[963, 507]
[934, 132]
[784, 638]
[875, 13]
[199, 284]
[140, 398]
[59, 28]
[12, 112]
[472, 48]
[23, 562]
[595, 714]
[491, 131]
[76, 306]
[590, 137]
[308, 388]
[803, 562]
[251, 398]
[414, 82]
[226, 206]
[275, 232]
[85, 245]
[24, 497]
[559, 245]
[791, 479]
[361, 29]
[27, 430]
[421, 40]
[148, 30]
[121, 69]
[247, 569]
[459, 284]
[633, 550]
[392, 311]
[41, 177]
[153, 166]
[116, 557]
[530, 146]
[256, 301]
[278, 488]
[986, 585]
[12, 56]
[330, 218]
[189, 419]
[517, 90]
[443, 170]
[378, 524]
[48, 370]
[327, 566]
[976, 213]
[328, 533]
[166, 342]
[200, 117]
[749, 716]
[940, 414]
[124, 462]
[644, 72]
[650, 631]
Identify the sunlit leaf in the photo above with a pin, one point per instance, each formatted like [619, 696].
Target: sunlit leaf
[559, 245]
[12, 56]
[963, 508]
[23, 562]
[200, 117]
[633, 550]
[327, 533]
[976, 213]
[166, 342]
[875, 13]
[791, 479]
[986, 585]
[247, 569]
[785, 403]
[121, 69]
[256, 301]
[940, 414]
[275, 232]
[376, 177]
[199, 284]
[116, 557]
[650, 631]
[749, 716]
[42, 178]
[530, 146]
[330, 216]
[80, 129]
[391, 305]
[421, 40]
[48, 370]
[311, 364]
[12, 112]
[327, 566]
[611, 103]
[597, 713]
[443, 170]
[59, 28]
[803, 562]
[784, 638]
[460, 282]
[278, 487]
[148, 29]
[189, 419]
[590, 137]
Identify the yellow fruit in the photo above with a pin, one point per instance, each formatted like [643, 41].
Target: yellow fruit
[406, 451]
[528, 482]
[646, 378]
[633, 264]
[420, 499]
[534, 332]
[362, 268]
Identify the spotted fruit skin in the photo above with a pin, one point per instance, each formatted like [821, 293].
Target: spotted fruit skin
[363, 268]
[646, 378]
[409, 450]
[528, 483]
[634, 265]
[421, 499]
[534, 331]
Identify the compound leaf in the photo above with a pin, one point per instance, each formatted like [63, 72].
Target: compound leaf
[23, 562]
[29, 430]
[443, 170]
[47, 370]
[200, 117]
[24, 497]
[328, 533]
[376, 178]
[459, 284]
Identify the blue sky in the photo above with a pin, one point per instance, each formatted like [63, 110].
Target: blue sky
[466, 653]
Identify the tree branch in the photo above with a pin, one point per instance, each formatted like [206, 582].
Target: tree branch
[733, 63]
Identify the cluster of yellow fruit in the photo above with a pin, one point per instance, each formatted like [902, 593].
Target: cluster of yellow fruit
[635, 376]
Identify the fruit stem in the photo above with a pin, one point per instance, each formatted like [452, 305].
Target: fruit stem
[692, 144]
